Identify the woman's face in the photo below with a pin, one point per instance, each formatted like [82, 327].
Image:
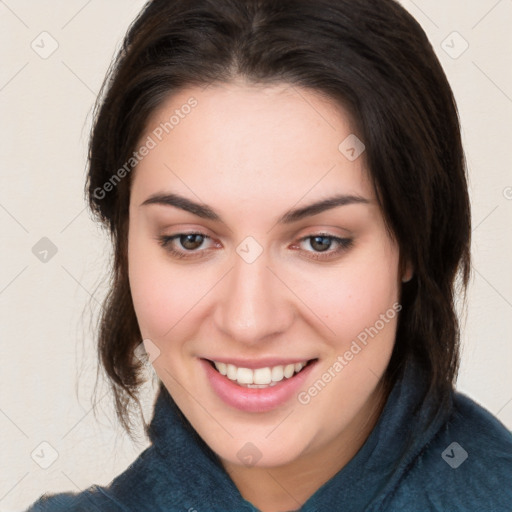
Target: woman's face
[264, 279]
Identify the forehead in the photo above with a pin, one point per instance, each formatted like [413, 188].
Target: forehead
[251, 142]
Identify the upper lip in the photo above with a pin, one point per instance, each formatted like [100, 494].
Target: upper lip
[259, 363]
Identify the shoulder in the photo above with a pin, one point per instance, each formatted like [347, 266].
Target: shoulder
[144, 486]
[93, 498]
[467, 466]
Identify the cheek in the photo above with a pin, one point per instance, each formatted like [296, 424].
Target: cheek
[354, 296]
[161, 295]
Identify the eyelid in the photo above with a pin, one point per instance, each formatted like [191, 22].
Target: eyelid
[344, 243]
[166, 240]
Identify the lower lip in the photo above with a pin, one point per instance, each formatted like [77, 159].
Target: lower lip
[255, 399]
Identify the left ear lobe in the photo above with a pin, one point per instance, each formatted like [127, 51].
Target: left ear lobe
[408, 273]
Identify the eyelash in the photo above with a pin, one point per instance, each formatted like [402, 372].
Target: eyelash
[344, 244]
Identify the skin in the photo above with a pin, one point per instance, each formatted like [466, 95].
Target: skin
[252, 153]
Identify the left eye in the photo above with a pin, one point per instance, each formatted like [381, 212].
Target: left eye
[191, 242]
[322, 242]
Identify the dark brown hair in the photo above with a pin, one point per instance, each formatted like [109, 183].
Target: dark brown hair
[374, 59]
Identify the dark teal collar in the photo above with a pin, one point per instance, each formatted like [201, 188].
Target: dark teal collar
[197, 478]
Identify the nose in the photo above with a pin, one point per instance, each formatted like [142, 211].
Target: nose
[254, 305]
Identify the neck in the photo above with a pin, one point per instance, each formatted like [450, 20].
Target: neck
[287, 487]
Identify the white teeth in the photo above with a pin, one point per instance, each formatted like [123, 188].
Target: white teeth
[259, 386]
[277, 373]
[222, 367]
[260, 377]
[244, 376]
[231, 371]
[289, 370]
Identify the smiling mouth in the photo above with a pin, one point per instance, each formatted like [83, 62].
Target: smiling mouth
[259, 377]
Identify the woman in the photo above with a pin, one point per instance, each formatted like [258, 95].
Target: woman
[285, 187]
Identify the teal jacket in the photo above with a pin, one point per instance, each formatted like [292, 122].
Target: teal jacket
[461, 460]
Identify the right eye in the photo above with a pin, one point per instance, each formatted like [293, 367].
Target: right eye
[189, 243]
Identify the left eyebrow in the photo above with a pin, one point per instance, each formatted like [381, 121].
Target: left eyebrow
[320, 206]
[294, 215]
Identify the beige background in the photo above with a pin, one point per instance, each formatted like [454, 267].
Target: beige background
[47, 352]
